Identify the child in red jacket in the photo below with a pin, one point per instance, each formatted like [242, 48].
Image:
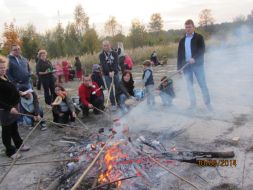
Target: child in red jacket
[91, 96]
[65, 68]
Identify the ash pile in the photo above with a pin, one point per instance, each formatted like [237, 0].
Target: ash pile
[142, 163]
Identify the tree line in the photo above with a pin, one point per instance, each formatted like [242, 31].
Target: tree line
[79, 38]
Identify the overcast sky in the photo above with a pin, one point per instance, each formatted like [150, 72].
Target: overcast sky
[43, 13]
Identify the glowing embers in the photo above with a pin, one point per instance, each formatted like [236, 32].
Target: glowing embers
[111, 173]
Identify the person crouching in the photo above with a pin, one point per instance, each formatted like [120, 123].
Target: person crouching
[91, 96]
[63, 107]
[166, 91]
[29, 105]
[125, 90]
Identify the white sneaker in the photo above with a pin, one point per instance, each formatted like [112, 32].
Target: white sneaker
[15, 155]
[25, 148]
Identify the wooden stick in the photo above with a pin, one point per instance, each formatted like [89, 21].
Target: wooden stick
[109, 183]
[243, 169]
[77, 184]
[38, 184]
[85, 126]
[16, 157]
[39, 162]
[108, 98]
[173, 173]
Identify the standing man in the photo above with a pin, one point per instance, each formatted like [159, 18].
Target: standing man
[109, 64]
[18, 72]
[191, 50]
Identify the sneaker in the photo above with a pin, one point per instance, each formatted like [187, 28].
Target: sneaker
[114, 108]
[17, 156]
[25, 148]
[43, 127]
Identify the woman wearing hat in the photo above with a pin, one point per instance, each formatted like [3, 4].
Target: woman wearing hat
[9, 99]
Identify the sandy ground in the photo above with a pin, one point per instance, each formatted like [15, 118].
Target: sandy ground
[229, 77]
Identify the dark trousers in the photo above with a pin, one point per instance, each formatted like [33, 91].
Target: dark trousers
[38, 83]
[97, 102]
[11, 132]
[48, 86]
[64, 119]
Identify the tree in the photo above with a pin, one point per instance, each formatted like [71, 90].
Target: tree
[81, 20]
[72, 40]
[156, 23]
[206, 18]
[112, 27]
[239, 19]
[10, 36]
[137, 34]
[91, 41]
[30, 41]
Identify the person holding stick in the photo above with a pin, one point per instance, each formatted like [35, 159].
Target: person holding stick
[9, 100]
[191, 50]
[110, 68]
[91, 96]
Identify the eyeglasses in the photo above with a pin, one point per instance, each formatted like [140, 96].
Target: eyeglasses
[16, 49]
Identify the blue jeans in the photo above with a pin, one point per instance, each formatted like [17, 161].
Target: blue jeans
[166, 99]
[108, 81]
[198, 71]
[150, 94]
[122, 99]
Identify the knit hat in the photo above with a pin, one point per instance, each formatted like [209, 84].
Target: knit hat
[96, 68]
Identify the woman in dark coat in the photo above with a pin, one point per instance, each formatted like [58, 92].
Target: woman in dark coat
[9, 99]
[125, 90]
[45, 70]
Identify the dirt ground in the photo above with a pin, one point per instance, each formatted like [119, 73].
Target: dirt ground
[229, 78]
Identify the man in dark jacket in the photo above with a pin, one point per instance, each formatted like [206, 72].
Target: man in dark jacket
[18, 71]
[110, 68]
[191, 50]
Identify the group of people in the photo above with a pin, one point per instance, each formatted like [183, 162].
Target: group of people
[113, 74]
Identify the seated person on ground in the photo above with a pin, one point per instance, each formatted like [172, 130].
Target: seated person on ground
[125, 90]
[91, 96]
[154, 59]
[166, 91]
[29, 105]
[62, 107]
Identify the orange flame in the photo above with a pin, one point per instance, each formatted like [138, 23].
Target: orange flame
[111, 156]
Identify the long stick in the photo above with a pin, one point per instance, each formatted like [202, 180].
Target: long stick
[109, 92]
[168, 170]
[16, 157]
[115, 181]
[85, 126]
[77, 184]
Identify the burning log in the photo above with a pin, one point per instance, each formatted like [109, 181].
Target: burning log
[115, 181]
[90, 166]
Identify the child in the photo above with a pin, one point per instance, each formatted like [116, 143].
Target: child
[63, 107]
[125, 90]
[166, 91]
[97, 75]
[148, 81]
[29, 104]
